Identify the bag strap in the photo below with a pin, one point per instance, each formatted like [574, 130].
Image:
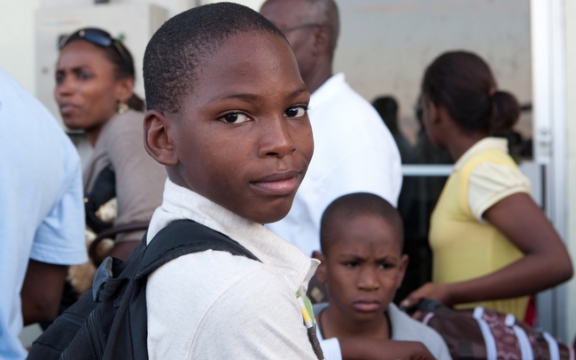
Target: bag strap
[179, 238]
[183, 237]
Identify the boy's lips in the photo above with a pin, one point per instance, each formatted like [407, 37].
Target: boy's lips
[278, 184]
[367, 305]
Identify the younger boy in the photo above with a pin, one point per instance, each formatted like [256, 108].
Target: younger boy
[362, 267]
[227, 116]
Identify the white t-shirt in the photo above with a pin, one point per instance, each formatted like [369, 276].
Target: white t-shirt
[404, 328]
[353, 152]
[212, 305]
[41, 207]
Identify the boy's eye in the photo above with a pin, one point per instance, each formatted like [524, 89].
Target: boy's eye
[384, 266]
[351, 264]
[235, 118]
[296, 111]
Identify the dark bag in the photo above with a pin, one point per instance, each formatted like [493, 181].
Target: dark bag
[110, 321]
[486, 334]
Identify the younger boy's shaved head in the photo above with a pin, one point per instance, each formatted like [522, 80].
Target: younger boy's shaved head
[350, 206]
[175, 54]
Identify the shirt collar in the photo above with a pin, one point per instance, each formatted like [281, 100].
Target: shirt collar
[327, 90]
[486, 143]
[287, 259]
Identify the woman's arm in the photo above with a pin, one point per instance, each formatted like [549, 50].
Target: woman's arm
[546, 262]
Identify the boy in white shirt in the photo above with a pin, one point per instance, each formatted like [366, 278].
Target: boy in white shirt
[227, 116]
[362, 267]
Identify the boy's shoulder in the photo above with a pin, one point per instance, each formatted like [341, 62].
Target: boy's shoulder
[195, 298]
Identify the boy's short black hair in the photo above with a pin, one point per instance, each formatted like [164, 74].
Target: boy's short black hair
[177, 50]
[350, 206]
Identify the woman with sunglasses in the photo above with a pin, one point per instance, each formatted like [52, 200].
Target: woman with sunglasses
[94, 91]
[492, 245]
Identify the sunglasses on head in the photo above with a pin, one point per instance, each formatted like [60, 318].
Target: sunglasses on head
[97, 37]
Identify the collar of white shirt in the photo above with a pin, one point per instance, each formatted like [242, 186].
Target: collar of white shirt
[327, 90]
[181, 203]
[486, 143]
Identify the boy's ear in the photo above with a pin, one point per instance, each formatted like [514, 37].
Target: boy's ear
[157, 141]
[402, 270]
[321, 270]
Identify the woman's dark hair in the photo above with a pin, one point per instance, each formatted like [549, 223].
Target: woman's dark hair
[115, 52]
[463, 84]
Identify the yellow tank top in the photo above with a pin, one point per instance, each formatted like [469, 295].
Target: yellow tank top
[465, 247]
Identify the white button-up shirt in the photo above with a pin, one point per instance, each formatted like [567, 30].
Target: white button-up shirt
[353, 152]
[213, 305]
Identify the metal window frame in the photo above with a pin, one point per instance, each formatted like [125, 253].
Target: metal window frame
[549, 99]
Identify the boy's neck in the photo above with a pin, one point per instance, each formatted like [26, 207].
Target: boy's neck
[335, 323]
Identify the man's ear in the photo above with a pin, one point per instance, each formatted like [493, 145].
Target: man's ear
[157, 140]
[402, 270]
[321, 270]
[322, 42]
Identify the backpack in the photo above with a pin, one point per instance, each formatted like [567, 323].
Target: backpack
[487, 334]
[110, 322]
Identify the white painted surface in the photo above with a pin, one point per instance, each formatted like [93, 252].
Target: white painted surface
[570, 22]
[17, 39]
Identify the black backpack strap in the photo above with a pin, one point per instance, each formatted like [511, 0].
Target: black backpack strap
[179, 238]
[183, 237]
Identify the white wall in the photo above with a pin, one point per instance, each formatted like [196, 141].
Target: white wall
[17, 39]
[17, 29]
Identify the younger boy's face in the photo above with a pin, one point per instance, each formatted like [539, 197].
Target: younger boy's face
[243, 138]
[363, 267]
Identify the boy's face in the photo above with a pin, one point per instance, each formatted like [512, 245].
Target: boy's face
[363, 267]
[243, 138]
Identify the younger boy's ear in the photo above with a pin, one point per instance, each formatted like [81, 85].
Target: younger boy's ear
[402, 270]
[157, 140]
[321, 270]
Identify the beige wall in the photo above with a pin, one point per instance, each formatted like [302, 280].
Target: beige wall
[17, 39]
[570, 41]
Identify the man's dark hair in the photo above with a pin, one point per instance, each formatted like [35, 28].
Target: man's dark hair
[177, 51]
[350, 206]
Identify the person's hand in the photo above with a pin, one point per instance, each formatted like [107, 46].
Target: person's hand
[440, 293]
[376, 349]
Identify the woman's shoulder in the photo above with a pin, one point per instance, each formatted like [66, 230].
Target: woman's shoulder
[122, 128]
[127, 122]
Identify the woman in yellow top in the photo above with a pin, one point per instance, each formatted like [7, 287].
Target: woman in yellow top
[492, 244]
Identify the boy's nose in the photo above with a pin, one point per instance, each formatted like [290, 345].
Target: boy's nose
[275, 139]
[367, 279]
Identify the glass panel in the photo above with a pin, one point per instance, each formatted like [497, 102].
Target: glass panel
[384, 48]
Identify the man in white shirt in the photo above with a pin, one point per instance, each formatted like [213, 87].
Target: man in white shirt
[353, 149]
[41, 214]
